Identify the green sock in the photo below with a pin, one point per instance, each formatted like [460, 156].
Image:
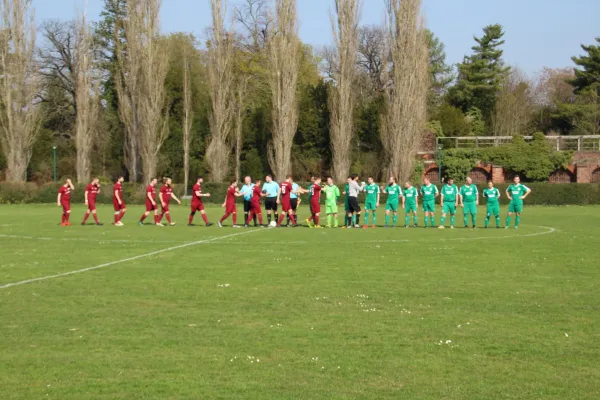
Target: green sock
[508, 221]
[406, 219]
[497, 220]
[452, 220]
[366, 218]
[329, 219]
[432, 220]
[487, 221]
[517, 220]
[415, 220]
[374, 218]
[353, 219]
[474, 220]
[466, 219]
[387, 220]
[395, 219]
[443, 221]
[426, 220]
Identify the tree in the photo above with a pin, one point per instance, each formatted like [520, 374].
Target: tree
[140, 81]
[480, 75]
[440, 73]
[453, 121]
[589, 72]
[188, 110]
[514, 106]
[284, 64]
[20, 118]
[345, 29]
[585, 113]
[407, 85]
[220, 82]
[372, 56]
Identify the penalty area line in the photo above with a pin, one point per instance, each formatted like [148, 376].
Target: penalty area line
[108, 264]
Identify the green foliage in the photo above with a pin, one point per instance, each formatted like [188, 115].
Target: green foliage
[441, 75]
[476, 122]
[452, 121]
[589, 72]
[435, 127]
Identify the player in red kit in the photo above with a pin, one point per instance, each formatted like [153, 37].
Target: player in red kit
[118, 201]
[91, 192]
[255, 204]
[283, 198]
[64, 200]
[229, 204]
[151, 203]
[315, 201]
[165, 195]
[197, 205]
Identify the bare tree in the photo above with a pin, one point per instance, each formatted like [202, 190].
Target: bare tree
[140, 82]
[514, 105]
[406, 86]
[240, 112]
[372, 54]
[19, 114]
[256, 20]
[220, 83]
[284, 64]
[86, 99]
[341, 100]
[188, 112]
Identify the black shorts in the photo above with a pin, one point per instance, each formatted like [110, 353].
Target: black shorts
[247, 206]
[271, 204]
[294, 203]
[353, 206]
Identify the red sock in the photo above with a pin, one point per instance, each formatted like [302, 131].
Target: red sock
[293, 219]
[160, 218]
[121, 215]
[250, 217]
[116, 218]
[95, 218]
[190, 219]
[68, 215]
[205, 218]
[260, 219]
[224, 217]
[281, 217]
[86, 216]
[316, 220]
[311, 218]
[169, 218]
[63, 218]
[156, 220]
[234, 218]
[143, 217]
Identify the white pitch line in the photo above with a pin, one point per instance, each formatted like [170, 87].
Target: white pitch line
[153, 253]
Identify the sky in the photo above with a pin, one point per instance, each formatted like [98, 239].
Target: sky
[539, 33]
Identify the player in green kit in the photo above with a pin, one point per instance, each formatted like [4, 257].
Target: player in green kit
[429, 192]
[394, 193]
[371, 202]
[346, 203]
[332, 194]
[516, 194]
[312, 182]
[449, 200]
[492, 196]
[469, 200]
[410, 203]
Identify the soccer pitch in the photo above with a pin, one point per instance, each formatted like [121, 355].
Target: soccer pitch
[204, 313]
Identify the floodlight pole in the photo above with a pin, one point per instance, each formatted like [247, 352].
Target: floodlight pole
[440, 161]
[54, 156]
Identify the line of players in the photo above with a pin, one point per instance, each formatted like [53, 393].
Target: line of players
[288, 196]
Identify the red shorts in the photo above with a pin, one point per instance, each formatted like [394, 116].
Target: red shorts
[255, 208]
[91, 204]
[117, 206]
[315, 208]
[150, 206]
[230, 208]
[197, 206]
[66, 205]
[286, 205]
[165, 209]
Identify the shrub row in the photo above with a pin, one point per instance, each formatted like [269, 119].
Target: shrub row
[543, 193]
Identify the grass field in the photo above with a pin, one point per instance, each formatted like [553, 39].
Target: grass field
[207, 313]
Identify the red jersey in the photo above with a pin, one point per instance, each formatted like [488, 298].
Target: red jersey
[231, 195]
[118, 188]
[256, 194]
[316, 193]
[286, 191]
[150, 190]
[197, 188]
[65, 193]
[92, 191]
[167, 192]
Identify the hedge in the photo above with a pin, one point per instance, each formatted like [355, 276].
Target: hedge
[24, 193]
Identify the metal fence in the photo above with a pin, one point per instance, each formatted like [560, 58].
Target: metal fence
[560, 143]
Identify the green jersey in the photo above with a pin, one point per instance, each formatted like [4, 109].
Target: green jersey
[428, 192]
[393, 192]
[492, 195]
[469, 193]
[332, 194]
[449, 192]
[516, 191]
[310, 191]
[410, 195]
[372, 192]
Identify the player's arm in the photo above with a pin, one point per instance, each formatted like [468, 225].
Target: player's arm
[417, 198]
[70, 183]
[378, 198]
[175, 198]
[477, 196]
[526, 194]
[508, 195]
[85, 195]
[278, 195]
[237, 193]
[149, 196]
[498, 194]
[441, 198]
[118, 197]
[58, 198]
[460, 198]
[160, 197]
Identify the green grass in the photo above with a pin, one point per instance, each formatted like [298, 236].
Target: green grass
[332, 314]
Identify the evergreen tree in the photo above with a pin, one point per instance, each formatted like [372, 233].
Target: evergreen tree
[481, 74]
[440, 73]
[589, 72]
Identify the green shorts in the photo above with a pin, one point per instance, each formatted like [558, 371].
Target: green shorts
[410, 208]
[493, 209]
[470, 208]
[331, 209]
[370, 206]
[391, 207]
[429, 206]
[515, 207]
[449, 208]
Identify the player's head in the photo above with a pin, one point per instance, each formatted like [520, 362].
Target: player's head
[329, 180]
[312, 177]
[95, 181]
[490, 184]
[392, 180]
[121, 179]
[426, 181]
[450, 181]
[168, 181]
[269, 178]
[199, 180]
[370, 180]
[289, 178]
[354, 177]
[154, 181]
[517, 179]
[349, 179]
[248, 180]
[469, 180]
[257, 181]
[317, 180]
[67, 181]
[234, 182]
[407, 184]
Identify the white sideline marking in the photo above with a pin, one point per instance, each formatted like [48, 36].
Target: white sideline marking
[153, 253]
